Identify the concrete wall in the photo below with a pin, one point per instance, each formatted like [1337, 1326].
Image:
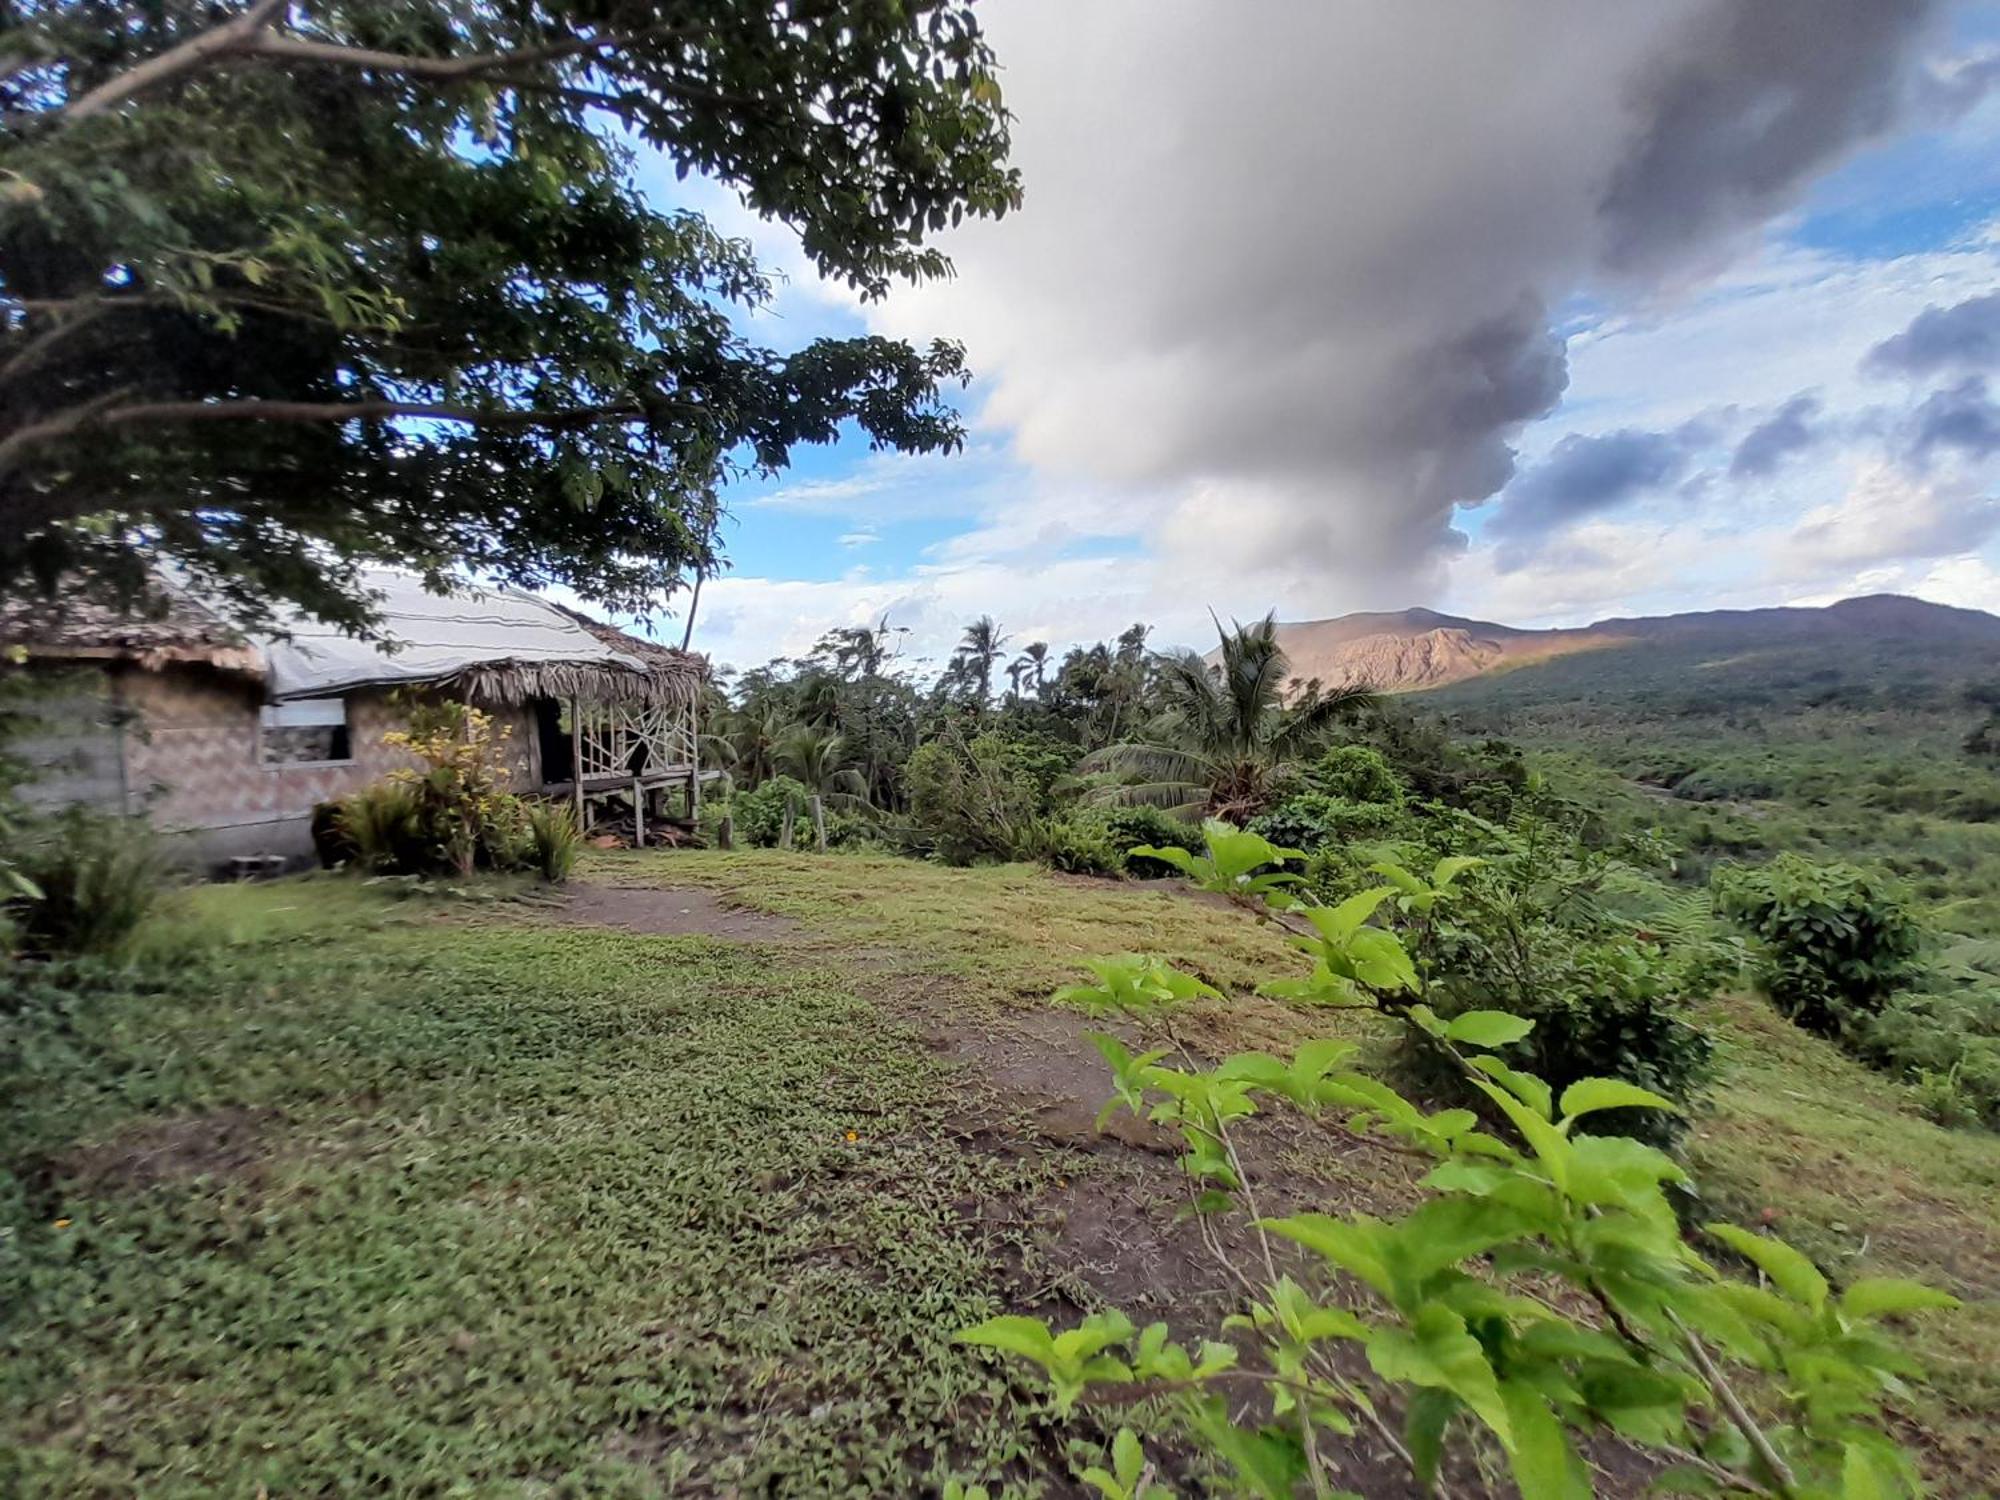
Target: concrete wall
[191, 758]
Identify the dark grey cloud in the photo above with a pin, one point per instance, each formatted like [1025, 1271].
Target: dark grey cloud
[1792, 428]
[1962, 337]
[1289, 267]
[1962, 418]
[1586, 475]
[1759, 96]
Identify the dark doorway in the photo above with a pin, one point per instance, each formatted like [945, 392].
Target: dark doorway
[552, 732]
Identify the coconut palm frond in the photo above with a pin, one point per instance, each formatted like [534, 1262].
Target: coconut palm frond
[1154, 762]
[1306, 724]
[1181, 799]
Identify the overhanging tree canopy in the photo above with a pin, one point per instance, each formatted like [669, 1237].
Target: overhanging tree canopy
[285, 287]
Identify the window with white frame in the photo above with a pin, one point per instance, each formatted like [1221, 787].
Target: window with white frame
[310, 731]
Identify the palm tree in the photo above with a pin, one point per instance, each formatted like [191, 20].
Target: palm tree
[861, 650]
[1018, 668]
[819, 760]
[1126, 678]
[752, 738]
[1225, 735]
[980, 649]
[1034, 662]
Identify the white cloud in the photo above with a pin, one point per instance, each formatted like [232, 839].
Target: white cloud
[1891, 515]
[1971, 581]
[886, 487]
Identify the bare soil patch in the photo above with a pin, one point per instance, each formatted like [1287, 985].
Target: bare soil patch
[670, 911]
[232, 1144]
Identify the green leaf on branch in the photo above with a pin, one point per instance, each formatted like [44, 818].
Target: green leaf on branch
[1487, 1028]
[1011, 1334]
[1882, 1296]
[1525, 1087]
[1437, 1351]
[1545, 1462]
[1792, 1274]
[1588, 1095]
[1339, 923]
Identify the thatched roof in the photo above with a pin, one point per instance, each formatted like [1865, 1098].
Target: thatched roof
[503, 645]
[171, 629]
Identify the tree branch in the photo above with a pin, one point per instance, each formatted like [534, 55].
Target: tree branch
[32, 353]
[303, 49]
[1779, 1472]
[195, 52]
[248, 35]
[250, 408]
[259, 409]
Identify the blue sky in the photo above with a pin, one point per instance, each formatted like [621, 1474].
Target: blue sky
[1277, 311]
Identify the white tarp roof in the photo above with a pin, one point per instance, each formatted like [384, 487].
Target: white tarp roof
[428, 636]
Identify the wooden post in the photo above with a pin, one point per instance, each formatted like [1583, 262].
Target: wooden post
[694, 754]
[638, 815]
[785, 828]
[819, 822]
[576, 763]
[725, 832]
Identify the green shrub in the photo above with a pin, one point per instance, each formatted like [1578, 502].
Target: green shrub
[381, 825]
[466, 815]
[1357, 773]
[1313, 820]
[1079, 842]
[555, 840]
[1947, 1041]
[1535, 929]
[850, 830]
[971, 798]
[1834, 940]
[1606, 1007]
[1130, 827]
[95, 878]
[1465, 1302]
[760, 813]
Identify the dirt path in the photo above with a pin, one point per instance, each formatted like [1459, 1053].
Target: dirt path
[670, 911]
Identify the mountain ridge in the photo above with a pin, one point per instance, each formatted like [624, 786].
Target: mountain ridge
[1412, 650]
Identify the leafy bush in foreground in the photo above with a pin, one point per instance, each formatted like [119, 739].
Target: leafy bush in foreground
[1542, 1292]
[91, 879]
[1835, 940]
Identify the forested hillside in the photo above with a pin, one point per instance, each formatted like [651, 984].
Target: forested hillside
[1870, 729]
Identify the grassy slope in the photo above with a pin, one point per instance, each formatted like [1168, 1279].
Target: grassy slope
[518, 1209]
[523, 1209]
[1838, 1155]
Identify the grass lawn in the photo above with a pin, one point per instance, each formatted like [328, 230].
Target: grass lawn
[370, 1194]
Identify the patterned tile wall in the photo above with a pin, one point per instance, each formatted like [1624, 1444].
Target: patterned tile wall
[192, 753]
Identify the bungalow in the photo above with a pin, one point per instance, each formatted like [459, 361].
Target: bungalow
[232, 739]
